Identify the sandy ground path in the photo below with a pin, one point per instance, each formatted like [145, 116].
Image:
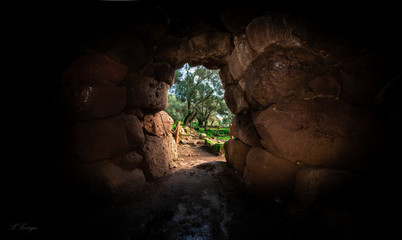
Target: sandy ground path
[201, 198]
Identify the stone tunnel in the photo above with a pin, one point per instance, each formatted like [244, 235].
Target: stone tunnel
[314, 96]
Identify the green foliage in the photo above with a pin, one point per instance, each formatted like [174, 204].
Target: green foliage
[208, 142]
[176, 108]
[198, 95]
[218, 147]
[218, 132]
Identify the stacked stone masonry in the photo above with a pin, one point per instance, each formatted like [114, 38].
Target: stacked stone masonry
[302, 108]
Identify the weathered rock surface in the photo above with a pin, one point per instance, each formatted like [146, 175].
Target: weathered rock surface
[135, 135]
[151, 25]
[243, 128]
[158, 124]
[266, 30]
[360, 78]
[280, 73]
[269, 175]
[146, 93]
[241, 57]
[157, 154]
[99, 139]
[94, 67]
[168, 50]
[161, 72]
[226, 77]
[236, 100]
[236, 20]
[315, 184]
[325, 86]
[105, 138]
[173, 147]
[319, 132]
[128, 50]
[95, 101]
[210, 48]
[111, 181]
[236, 154]
[129, 161]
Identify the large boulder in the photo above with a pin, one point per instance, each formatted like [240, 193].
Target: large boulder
[129, 161]
[211, 48]
[235, 154]
[236, 100]
[151, 25]
[158, 124]
[281, 73]
[266, 30]
[146, 93]
[135, 135]
[127, 49]
[100, 139]
[243, 129]
[321, 184]
[236, 19]
[241, 57]
[269, 175]
[94, 67]
[94, 101]
[167, 51]
[319, 132]
[108, 180]
[161, 72]
[226, 77]
[361, 78]
[157, 155]
[325, 86]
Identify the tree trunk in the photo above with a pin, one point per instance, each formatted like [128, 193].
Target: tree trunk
[188, 106]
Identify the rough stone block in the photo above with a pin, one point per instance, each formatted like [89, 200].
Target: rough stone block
[235, 154]
[236, 100]
[319, 132]
[210, 47]
[325, 86]
[241, 58]
[107, 180]
[157, 154]
[269, 175]
[281, 73]
[129, 161]
[128, 49]
[146, 93]
[236, 20]
[100, 139]
[135, 135]
[321, 184]
[94, 67]
[243, 129]
[95, 101]
[158, 124]
[226, 77]
[266, 30]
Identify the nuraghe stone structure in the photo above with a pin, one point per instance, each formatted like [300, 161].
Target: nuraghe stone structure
[305, 99]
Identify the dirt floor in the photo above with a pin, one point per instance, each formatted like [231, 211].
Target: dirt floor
[201, 198]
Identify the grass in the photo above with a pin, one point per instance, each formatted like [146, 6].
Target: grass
[220, 132]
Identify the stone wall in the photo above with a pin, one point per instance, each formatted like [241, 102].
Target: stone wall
[303, 100]
[304, 122]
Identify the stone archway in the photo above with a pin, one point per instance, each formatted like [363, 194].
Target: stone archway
[302, 101]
